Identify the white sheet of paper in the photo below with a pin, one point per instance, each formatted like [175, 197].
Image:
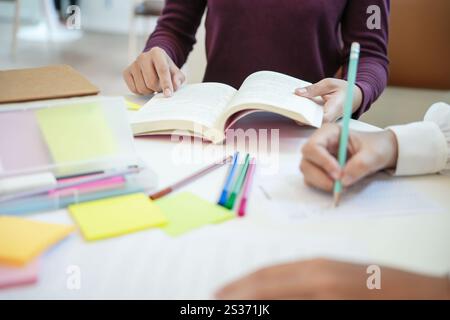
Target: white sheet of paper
[381, 195]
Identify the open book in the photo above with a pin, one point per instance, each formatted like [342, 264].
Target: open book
[207, 110]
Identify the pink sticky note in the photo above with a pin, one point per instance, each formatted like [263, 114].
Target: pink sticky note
[21, 142]
[11, 277]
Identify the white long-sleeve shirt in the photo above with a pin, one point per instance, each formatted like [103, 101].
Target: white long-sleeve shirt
[424, 147]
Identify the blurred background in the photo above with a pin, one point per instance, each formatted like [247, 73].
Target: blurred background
[111, 34]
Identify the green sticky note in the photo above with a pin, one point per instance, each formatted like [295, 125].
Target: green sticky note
[76, 133]
[186, 211]
[116, 216]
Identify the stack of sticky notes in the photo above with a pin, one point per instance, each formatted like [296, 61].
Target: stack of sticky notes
[21, 242]
[49, 164]
[116, 216]
[175, 215]
[186, 211]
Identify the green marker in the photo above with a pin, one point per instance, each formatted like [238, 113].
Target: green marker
[238, 184]
[343, 143]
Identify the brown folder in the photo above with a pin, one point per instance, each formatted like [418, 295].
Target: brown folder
[50, 82]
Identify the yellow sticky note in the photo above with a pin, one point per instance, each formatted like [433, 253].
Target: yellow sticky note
[76, 133]
[133, 106]
[117, 216]
[186, 211]
[22, 240]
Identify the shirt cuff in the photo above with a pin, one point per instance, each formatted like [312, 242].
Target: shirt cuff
[422, 148]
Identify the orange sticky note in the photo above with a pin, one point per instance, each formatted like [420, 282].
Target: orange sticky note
[22, 240]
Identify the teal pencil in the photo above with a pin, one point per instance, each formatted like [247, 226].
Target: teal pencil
[238, 184]
[343, 143]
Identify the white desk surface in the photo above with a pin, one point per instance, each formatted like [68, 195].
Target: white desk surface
[151, 265]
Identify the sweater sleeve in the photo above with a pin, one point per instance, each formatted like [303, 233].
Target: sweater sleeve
[176, 28]
[366, 22]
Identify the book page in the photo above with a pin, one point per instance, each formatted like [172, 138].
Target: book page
[277, 90]
[198, 103]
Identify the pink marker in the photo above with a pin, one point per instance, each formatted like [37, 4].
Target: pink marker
[247, 188]
[94, 186]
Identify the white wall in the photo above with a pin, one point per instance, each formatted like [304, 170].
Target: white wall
[97, 15]
[31, 10]
[110, 16]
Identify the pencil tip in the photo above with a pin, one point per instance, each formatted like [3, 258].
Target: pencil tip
[337, 199]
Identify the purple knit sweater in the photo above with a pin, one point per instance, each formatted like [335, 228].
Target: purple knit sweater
[307, 39]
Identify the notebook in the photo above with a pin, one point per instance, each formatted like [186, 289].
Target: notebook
[51, 82]
[207, 110]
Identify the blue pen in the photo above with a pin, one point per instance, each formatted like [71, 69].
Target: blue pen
[226, 189]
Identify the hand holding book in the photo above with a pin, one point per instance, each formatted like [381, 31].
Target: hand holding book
[207, 110]
[332, 92]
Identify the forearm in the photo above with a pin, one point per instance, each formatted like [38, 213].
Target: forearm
[176, 28]
[372, 80]
[370, 28]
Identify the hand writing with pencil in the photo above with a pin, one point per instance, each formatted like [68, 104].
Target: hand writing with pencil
[368, 153]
